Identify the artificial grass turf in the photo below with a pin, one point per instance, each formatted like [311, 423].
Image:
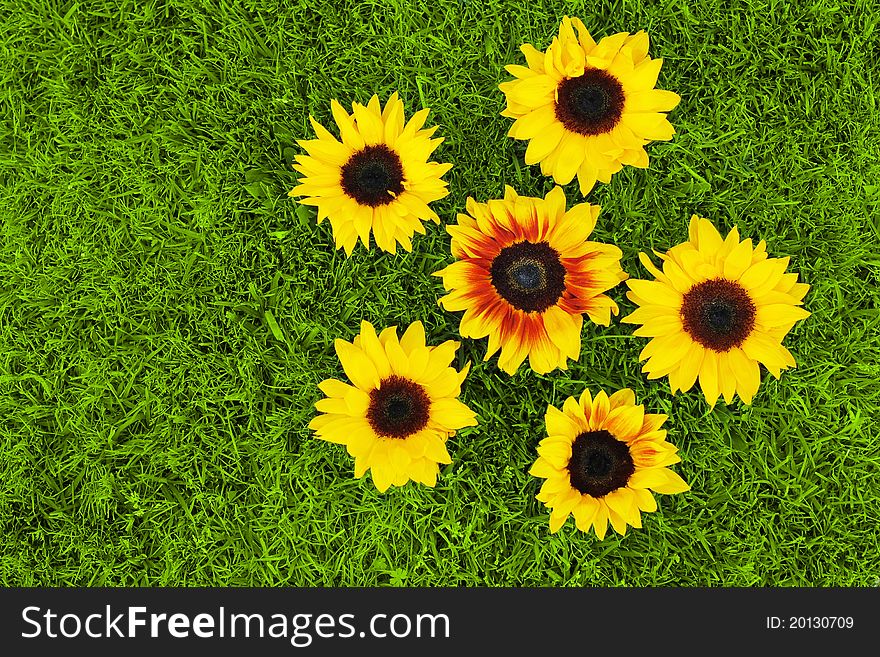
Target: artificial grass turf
[167, 311]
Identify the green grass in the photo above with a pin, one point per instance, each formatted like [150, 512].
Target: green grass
[166, 311]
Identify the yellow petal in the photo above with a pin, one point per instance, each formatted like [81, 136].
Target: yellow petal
[532, 92]
[415, 123]
[556, 485]
[435, 450]
[648, 478]
[554, 204]
[413, 337]
[565, 502]
[399, 456]
[738, 261]
[369, 125]
[397, 359]
[708, 240]
[643, 124]
[563, 330]
[571, 155]
[534, 57]
[587, 176]
[680, 279]
[623, 502]
[369, 343]
[556, 454]
[761, 347]
[543, 468]
[690, 366]
[726, 378]
[600, 520]
[763, 276]
[638, 45]
[347, 130]
[747, 372]
[544, 143]
[418, 363]
[383, 476]
[653, 100]
[645, 314]
[625, 422]
[659, 327]
[452, 414]
[332, 405]
[648, 264]
[623, 397]
[673, 484]
[425, 471]
[656, 292]
[778, 314]
[521, 72]
[556, 522]
[645, 500]
[644, 76]
[584, 512]
[416, 444]
[334, 388]
[666, 351]
[533, 123]
[358, 367]
[560, 424]
[363, 222]
[709, 376]
[440, 358]
[600, 410]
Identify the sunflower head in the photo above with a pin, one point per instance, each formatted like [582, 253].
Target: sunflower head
[376, 177]
[525, 275]
[588, 108]
[600, 459]
[400, 408]
[716, 310]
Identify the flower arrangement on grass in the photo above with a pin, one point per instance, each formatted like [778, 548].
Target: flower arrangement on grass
[525, 276]
[401, 409]
[601, 459]
[586, 108]
[716, 310]
[377, 178]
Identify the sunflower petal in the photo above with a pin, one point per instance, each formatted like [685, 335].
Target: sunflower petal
[358, 367]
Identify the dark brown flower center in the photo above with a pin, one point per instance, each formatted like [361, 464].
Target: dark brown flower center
[373, 175]
[399, 407]
[529, 275]
[599, 464]
[590, 104]
[719, 314]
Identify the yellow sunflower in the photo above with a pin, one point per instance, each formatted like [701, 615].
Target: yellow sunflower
[586, 108]
[718, 308]
[600, 458]
[377, 178]
[526, 274]
[396, 418]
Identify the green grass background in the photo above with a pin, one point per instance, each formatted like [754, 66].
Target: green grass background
[166, 311]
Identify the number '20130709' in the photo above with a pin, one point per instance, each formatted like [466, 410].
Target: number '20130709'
[810, 623]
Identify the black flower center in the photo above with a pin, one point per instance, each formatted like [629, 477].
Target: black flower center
[599, 464]
[719, 314]
[590, 104]
[399, 407]
[373, 176]
[529, 275]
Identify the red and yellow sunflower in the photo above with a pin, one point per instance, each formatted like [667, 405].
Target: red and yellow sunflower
[525, 276]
